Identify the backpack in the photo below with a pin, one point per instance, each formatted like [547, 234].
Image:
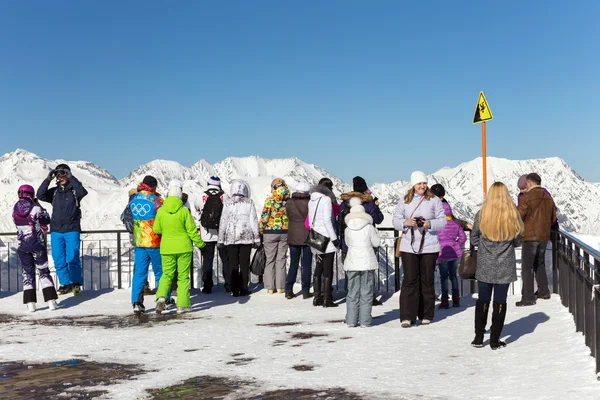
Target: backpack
[127, 217]
[211, 213]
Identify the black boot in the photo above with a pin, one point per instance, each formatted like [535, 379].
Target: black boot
[318, 299]
[328, 293]
[481, 315]
[498, 316]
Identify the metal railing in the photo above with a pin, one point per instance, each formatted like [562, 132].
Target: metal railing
[576, 272]
[107, 260]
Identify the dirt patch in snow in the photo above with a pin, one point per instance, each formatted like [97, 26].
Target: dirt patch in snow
[304, 367]
[70, 378]
[306, 335]
[104, 321]
[280, 324]
[210, 387]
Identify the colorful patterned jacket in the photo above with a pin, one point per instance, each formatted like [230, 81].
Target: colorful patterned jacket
[274, 217]
[144, 206]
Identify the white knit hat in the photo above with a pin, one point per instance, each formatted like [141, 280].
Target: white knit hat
[303, 187]
[175, 191]
[417, 177]
[175, 183]
[175, 188]
[356, 205]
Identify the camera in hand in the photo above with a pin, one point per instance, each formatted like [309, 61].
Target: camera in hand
[420, 221]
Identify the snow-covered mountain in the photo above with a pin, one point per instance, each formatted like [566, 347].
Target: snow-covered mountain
[575, 197]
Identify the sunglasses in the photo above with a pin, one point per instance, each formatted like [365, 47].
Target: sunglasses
[60, 172]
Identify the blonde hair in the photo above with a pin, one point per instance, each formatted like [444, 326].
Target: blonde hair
[499, 219]
[410, 195]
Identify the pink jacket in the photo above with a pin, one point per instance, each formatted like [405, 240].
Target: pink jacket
[452, 238]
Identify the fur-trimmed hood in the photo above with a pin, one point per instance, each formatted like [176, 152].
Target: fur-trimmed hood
[300, 195]
[364, 197]
[324, 191]
[358, 220]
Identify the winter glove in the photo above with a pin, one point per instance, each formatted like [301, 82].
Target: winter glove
[50, 175]
[336, 243]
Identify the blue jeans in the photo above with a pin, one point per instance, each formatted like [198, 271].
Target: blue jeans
[65, 253]
[297, 253]
[448, 271]
[485, 292]
[143, 257]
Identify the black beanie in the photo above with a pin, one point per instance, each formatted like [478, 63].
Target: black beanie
[62, 166]
[360, 185]
[150, 181]
[438, 190]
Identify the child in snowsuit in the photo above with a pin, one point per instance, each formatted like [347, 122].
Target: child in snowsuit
[360, 264]
[30, 219]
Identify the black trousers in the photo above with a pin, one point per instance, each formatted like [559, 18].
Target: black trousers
[239, 266]
[324, 265]
[533, 256]
[208, 256]
[417, 295]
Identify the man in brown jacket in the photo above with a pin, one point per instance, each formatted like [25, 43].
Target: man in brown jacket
[538, 212]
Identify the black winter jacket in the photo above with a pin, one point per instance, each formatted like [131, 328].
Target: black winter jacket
[65, 200]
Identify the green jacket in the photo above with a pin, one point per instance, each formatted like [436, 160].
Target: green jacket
[176, 225]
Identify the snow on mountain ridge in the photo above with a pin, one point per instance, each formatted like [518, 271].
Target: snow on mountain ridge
[574, 196]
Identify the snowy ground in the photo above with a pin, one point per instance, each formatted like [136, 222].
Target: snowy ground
[544, 359]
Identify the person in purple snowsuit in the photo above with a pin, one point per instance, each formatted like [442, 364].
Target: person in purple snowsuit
[452, 239]
[30, 219]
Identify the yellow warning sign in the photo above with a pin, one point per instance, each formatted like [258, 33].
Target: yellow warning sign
[482, 110]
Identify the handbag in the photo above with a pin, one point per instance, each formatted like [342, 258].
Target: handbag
[468, 264]
[397, 254]
[259, 261]
[316, 240]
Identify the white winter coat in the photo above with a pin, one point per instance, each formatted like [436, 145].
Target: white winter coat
[361, 236]
[239, 222]
[208, 235]
[321, 219]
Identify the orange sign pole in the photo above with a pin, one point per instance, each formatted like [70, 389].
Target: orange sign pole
[484, 156]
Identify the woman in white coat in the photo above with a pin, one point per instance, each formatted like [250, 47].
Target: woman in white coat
[320, 219]
[360, 264]
[238, 232]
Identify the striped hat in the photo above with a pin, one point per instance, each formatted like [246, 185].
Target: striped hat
[214, 182]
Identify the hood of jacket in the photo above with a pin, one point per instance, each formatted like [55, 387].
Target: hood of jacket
[357, 221]
[300, 195]
[280, 193]
[172, 204]
[214, 192]
[23, 208]
[447, 208]
[364, 198]
[323, 190]
[240, 188]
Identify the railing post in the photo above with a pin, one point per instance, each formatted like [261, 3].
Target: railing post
[192, 271]
[396, 264]
[118, 260]
[555, 272]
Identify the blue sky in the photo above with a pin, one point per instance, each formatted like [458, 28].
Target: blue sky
[375, 88]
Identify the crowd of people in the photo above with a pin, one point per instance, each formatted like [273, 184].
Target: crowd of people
[312, 225]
